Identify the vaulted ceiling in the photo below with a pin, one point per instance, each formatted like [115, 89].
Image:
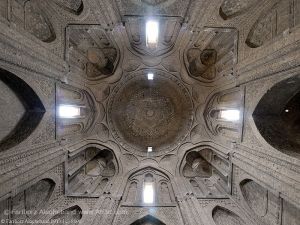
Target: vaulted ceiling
[209, 113]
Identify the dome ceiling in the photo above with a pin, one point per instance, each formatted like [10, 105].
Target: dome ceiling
[153, 7]
[150, 113]
[81, 111]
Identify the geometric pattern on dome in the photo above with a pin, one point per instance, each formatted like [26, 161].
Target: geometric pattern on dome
[150, 113]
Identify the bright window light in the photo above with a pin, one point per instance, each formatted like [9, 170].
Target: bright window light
[148, 193]
[152, 33]
[68, 111]
[150, 149]
[232, 114]
[150, 76]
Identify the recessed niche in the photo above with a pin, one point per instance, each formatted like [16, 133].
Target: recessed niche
[71, 215]
[223, 216]
[256, 197]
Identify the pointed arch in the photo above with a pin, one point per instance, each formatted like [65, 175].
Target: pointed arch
[30, 110]
[278, 121]
[163, 193]
[148, 220]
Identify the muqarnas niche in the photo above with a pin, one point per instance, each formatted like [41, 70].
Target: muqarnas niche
[208, 173]
[212, 55]
[91, 52]
[89, 172]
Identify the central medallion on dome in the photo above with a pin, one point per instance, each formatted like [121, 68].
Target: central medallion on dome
[150, 113]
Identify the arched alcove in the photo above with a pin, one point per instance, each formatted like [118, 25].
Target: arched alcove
[32, 198]
[90, 171]
[277, 116]
[164, 192]
[30, 16]
[21, 110]
[73, 6]
[233, 8]
[37, 22]
[70, 215]
[222, 216]
[148, 220]
[266, 205]
[256, 196]
[38, 194]
[282, 17]
[207, 173]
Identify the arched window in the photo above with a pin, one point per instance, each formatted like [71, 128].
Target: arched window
[75, 111]
[277, 116]
[223, 114]
[149, 187]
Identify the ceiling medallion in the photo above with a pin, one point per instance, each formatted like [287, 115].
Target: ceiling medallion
[156, 113]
